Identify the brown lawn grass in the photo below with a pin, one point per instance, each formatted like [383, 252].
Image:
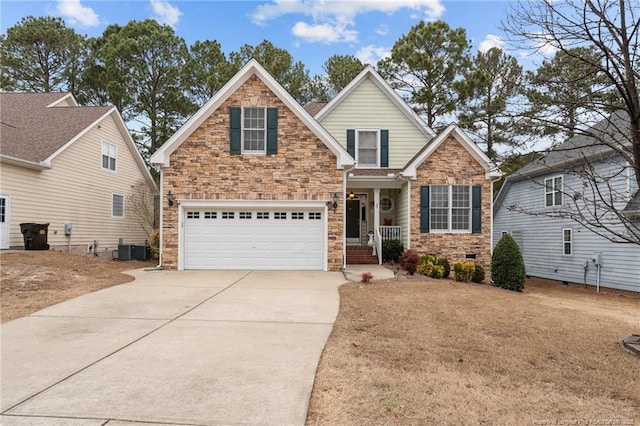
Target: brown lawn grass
[420, 351]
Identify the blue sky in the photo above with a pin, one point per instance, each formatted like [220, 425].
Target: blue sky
[311, 31]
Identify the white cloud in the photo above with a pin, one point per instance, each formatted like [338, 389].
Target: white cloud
[331, 17]
[78, 14]
[372, 54]
[165, 12]
[546, 45]
[382, 30]
[490, 41]
[324, 33]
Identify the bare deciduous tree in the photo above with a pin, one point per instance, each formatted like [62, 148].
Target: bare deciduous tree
[610, 29]
[141, 203]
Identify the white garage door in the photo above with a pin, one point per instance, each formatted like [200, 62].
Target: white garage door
[241, 238]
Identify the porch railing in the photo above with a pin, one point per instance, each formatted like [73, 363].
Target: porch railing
[390, 233]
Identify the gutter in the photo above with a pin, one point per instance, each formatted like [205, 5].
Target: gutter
[43, 165]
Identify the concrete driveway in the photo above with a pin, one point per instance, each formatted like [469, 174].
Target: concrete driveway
[177, 348]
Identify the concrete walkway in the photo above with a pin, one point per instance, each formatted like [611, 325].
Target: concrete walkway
[379, 272]
[172, 348]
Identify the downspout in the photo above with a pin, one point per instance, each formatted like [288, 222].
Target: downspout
[344, 217]
[161, 230]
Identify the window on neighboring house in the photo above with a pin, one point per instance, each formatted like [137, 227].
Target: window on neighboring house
[367, 148]
[553, 191]
[450, 208]
[117, 205]
[254, 130]
[109, 152]
[567, 242]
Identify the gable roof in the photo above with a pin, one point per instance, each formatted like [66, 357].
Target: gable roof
[35, 128]
[491, 170]
[33, 131]
[162, 155]
[387, 90]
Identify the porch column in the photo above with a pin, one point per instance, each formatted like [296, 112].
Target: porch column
[376, 210]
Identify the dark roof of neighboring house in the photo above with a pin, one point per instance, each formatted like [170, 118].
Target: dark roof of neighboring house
[634, 203]
[612, 131]
[314, 107]
[31, 131]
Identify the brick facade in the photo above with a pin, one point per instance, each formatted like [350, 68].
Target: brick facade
[202, 168]
[451, 164]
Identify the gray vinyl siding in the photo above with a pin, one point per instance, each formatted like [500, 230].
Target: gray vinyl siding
[542, 236]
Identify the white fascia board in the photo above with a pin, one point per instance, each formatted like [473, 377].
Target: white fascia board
[161, 156]
[263, 204]
[25, 163]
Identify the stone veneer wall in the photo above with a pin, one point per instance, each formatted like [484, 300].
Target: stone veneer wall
[203, 169]
[451, 163]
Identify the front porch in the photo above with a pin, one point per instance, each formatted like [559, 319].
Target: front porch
[377, 209]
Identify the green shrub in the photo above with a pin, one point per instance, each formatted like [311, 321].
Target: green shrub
[410, 261]
[391, 250]
[507, 265]
[447, 267]
[478, 274]
[425, 267]
[463, 271]
[437, 271]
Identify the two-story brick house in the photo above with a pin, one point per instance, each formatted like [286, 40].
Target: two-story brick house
[254, 181]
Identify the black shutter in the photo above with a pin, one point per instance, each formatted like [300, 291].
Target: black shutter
[424, 209]
[351, 142]
[272, 130]
[476, 209]
[384, 148]
[235, 129]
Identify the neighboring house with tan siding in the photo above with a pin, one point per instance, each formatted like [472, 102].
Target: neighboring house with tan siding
[61, 163]
[254, 181]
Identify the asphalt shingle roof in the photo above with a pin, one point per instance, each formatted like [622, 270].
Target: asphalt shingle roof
[32, 131]
[612, 131]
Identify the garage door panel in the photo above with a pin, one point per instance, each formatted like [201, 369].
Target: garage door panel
[254, 239]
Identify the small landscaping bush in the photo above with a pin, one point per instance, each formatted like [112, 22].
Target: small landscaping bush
[366, 277]
[507, 265]
[433, 266]
[391, 250]
[154, 242]
[410, 261]
[478, 274]
[463, 271]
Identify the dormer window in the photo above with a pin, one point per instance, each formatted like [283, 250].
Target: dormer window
[368, 148]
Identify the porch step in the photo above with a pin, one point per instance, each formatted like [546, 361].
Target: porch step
[357, 255]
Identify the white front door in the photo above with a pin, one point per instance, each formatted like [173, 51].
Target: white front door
[4, 221]
[252, 238]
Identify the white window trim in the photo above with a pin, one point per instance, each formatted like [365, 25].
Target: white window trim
[553, 191]
[107, 169]
[570, 242]
[242, 129]
[450, 213]
[123, 209]
[378, 147]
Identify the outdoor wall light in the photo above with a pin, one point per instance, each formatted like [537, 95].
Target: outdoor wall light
[352, 195]
[334, 205]
[170, 199]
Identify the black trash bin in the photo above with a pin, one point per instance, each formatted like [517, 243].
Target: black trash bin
[35, 235]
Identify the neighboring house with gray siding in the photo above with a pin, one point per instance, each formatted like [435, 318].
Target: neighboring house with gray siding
[61, 163]
[536, 203]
